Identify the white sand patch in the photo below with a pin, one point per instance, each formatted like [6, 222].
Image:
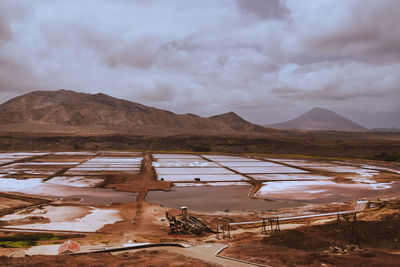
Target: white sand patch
[282, 169]
[203, 177]
[53, 213]
[220, 170]
[95, 220]
[211, 184]
[78, 181]
[15, 185]
[379, 186]
[274, 177]
[314, 191]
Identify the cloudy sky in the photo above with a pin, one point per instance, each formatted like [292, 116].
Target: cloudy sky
[266, 60]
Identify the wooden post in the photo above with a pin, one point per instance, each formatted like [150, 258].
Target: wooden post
[263, 228]
[278, 227]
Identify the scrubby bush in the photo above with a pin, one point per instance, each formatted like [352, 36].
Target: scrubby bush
[201, 148]
[387, 157]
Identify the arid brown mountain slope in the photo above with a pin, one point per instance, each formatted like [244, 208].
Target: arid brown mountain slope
[320, 119]
[63, 109]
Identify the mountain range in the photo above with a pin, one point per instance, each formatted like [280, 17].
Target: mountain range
[66, 110]
[69, 111]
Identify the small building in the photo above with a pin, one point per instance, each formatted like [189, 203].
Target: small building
[69, 247]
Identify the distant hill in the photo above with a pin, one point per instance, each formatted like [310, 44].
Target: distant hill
[388, 130]
[63, 109]
[320, 119]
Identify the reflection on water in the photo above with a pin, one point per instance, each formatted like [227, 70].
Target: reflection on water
[212, 199]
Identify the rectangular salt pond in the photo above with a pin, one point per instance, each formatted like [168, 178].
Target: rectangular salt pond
[322, 191]
[78, 181]
[110, 161]
[348, 169]
[282, 169]
[231, 164]
[109, 165]
[285, 160]
[175, 156]
[286, 177]
[214, 198]
[48, 163]
[211, 184]
[203, 177]
[10, 157]
[99, 171]
[105, 169]
[311, 164]
[181, 160]
[225, 159]
[184, 164]
[162, 171]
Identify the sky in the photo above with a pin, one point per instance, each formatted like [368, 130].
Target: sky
[266, 60]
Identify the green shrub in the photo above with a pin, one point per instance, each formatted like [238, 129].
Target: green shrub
[201, 148]
[387, 157]
[18, 244]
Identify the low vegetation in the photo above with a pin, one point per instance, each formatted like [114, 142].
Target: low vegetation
[388, 157]
[201, 148]
[27, 240]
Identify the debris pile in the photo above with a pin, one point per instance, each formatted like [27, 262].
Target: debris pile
[181, 223]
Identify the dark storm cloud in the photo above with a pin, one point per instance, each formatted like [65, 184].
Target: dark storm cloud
[266, 60]
[265, 9]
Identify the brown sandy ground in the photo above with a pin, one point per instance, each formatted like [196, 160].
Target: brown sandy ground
[378, 235]
[316, 143]
[142, 258]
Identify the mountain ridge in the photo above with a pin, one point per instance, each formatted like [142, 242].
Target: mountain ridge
[68, 109]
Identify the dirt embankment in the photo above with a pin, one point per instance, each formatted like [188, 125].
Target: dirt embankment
[142, 258]
[332, 144]
[379, 238]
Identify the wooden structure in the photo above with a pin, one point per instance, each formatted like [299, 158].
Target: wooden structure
[346, 232]
[271, 221]
[181, 223]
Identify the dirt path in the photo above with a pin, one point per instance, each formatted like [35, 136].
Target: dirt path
[205, 252]
[148, 175]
